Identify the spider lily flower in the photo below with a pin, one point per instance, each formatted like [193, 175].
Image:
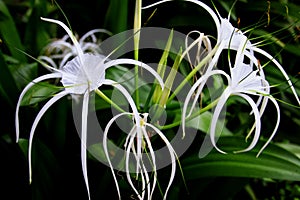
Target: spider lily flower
[139, 134]
[202, 46]
[62, 50]
[245, 83]
[82, 75]
[229, 37]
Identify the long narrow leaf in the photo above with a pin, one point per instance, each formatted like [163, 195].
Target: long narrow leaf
[9, 33]
[275, 162]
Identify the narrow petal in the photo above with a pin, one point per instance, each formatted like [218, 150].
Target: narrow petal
[172, 155]
[130, 143]
[153, 161]
[48, 60]
[74, 40]
[35, 123]
[188, 47]
[201, 81]
[275, 128]
[105, 139]
[257, 122]
[65, 60]
[129, 99]
[91, 33]
[61, 45]
[28, 86]
[261, 111]
[138, 63]
[69, 32]
[84, 117]
[223, 99]
[272, 59]
[204, 6]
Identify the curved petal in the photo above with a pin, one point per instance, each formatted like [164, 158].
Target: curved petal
[153, 160]
[223, 99]
[65, 60]
[204, 6]
[257, 122]
[28, 86]
[106, 149]
[130, 143]
[188, 47]
[275, 128]
[69, 32]
[272, 59]
[201, 81]
[172, 155]
[91, 33]
[35, 123]
[129, 99]
[48, 60]
[74, 40]
[134, 62]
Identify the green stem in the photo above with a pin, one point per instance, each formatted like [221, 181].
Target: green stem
[108, 100]
[136, 39]
[193, 72]
[196, 114]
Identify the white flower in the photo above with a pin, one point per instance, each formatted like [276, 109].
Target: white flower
[82, 75]
[229, 37]
[245, 83]
[62, 50]
[244, 79]
[136, 143]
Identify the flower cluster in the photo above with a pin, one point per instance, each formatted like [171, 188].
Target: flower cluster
[81, 66]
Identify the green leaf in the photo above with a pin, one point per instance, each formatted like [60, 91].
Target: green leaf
[116, 16]
[9, 33]
[38, 93]
[8, 85]
[202, 123]
[23, 73]
[46, 171]
[275, 162]
[36, 36]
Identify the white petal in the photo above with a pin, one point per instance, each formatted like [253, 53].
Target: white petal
[275, 128]
[272, 59]
[129, 99]
[84, 127]
[69, 32]
[204, 6]
[48, 60]
[28, 86]
[91, 33]
[153, 161]
[172, 155]
[257, 123]
[74, 40]
[106, 149]
[138, 63]
[222, 101]
[199, 84]
[130, 143]
[65, 60]
[35, 123]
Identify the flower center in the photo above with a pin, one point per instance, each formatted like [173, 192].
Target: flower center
[79, 77]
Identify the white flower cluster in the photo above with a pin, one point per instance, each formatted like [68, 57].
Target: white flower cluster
[82, 70]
